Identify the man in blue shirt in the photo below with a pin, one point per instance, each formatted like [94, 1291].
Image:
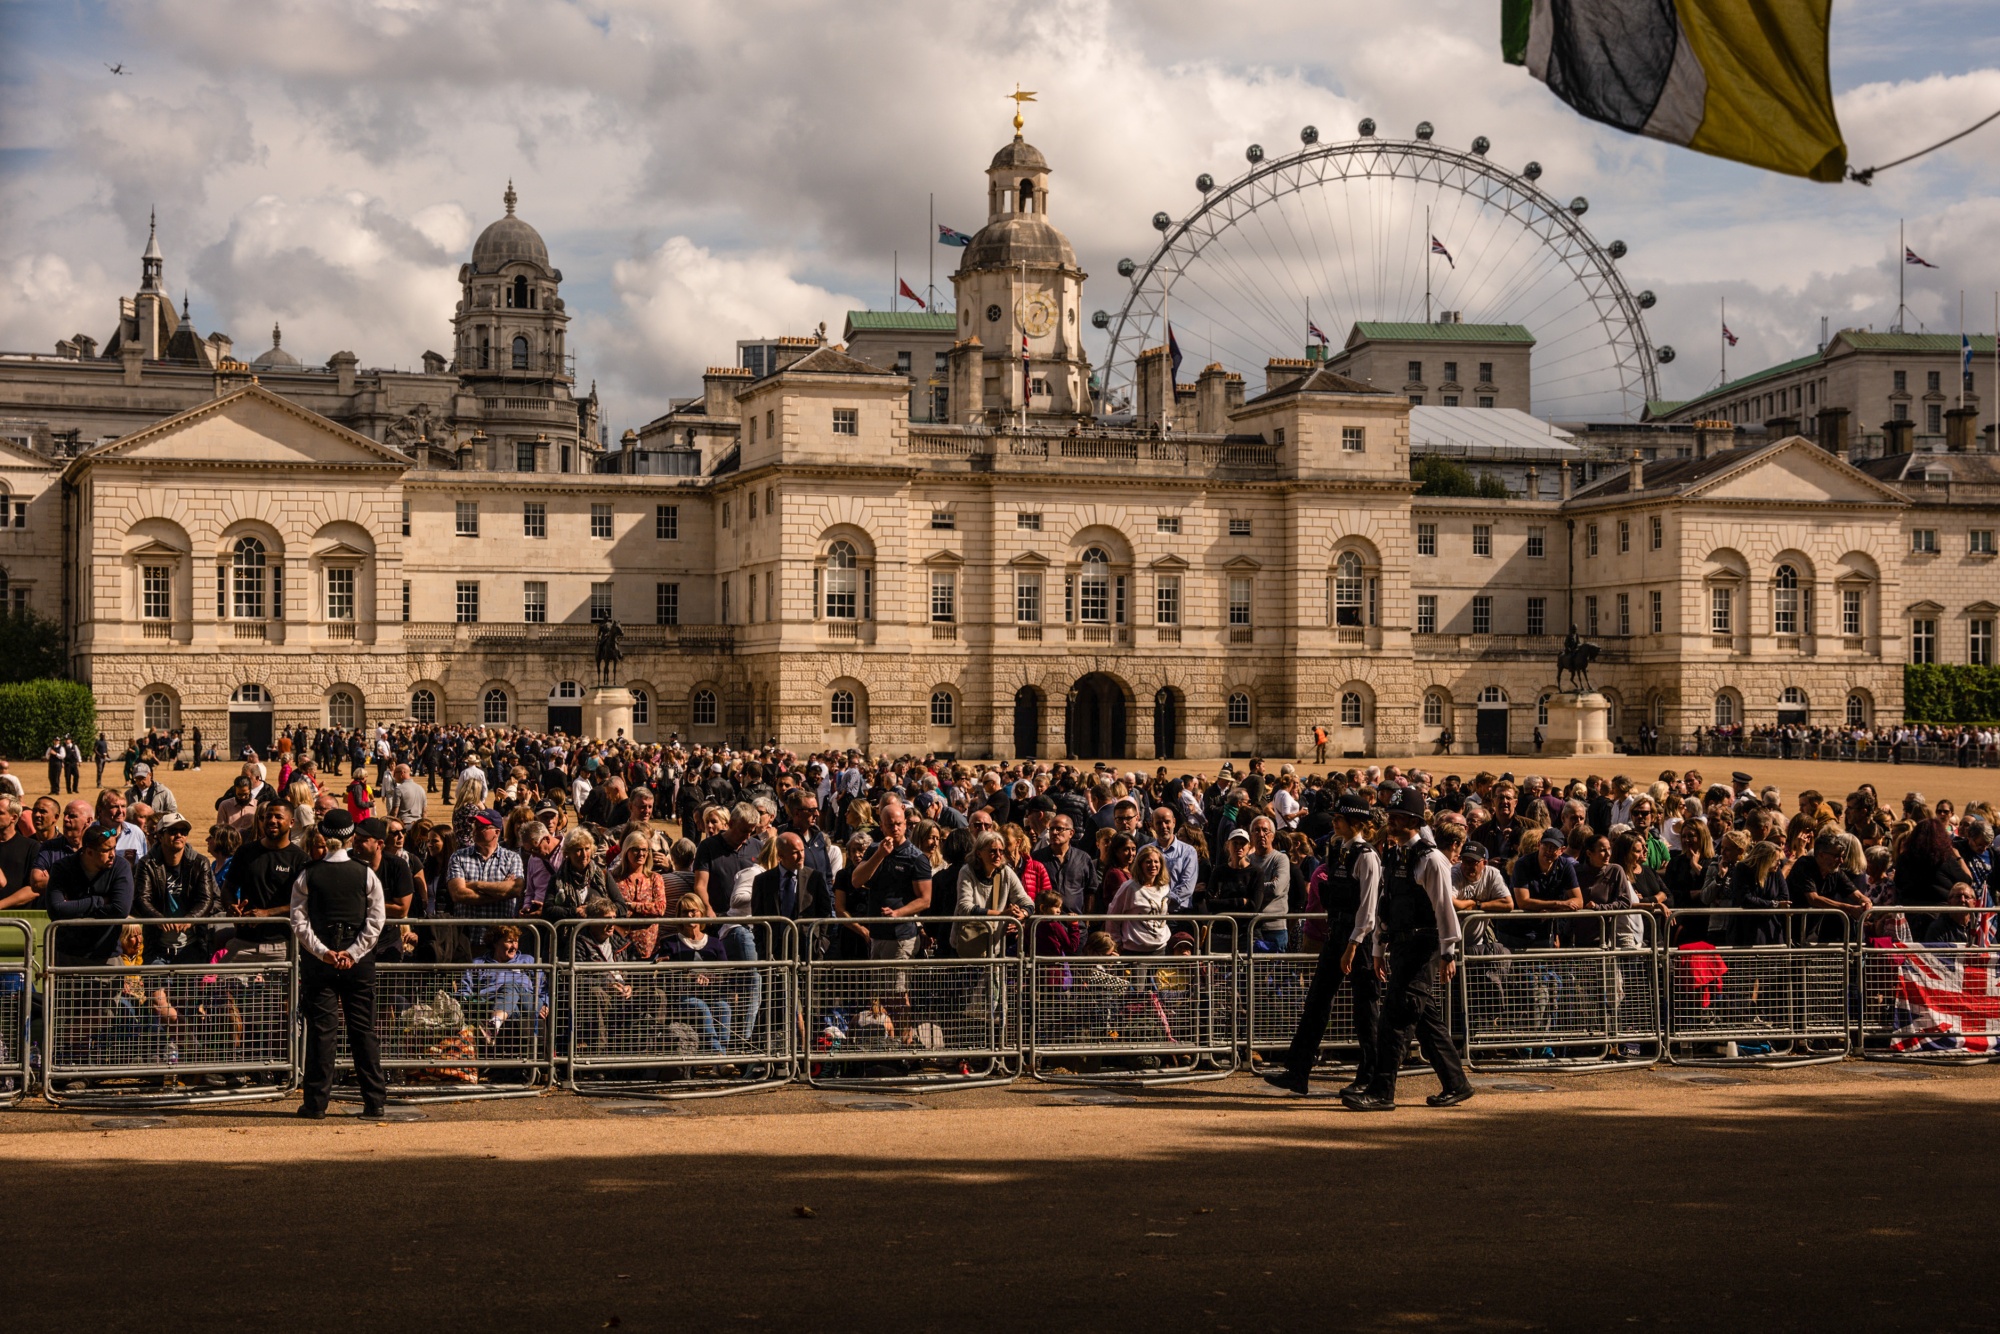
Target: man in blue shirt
[895, 879]
[1183, 862]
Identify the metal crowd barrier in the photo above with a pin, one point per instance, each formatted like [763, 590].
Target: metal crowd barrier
[1775, 991]
[660, 1027]
[465, 1025]
[1273, 997]
[17, 956]
[1928, 984]
[1561, 990]
[206, 1018]
[1163, 1018]
[944, 1021]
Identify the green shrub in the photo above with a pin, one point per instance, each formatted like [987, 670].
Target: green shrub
[1951, 692]
[31, 647]
[34, 713]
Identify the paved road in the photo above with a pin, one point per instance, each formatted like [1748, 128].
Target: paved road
[1830, 1197]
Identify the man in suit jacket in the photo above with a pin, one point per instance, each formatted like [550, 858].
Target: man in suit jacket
[791, 888]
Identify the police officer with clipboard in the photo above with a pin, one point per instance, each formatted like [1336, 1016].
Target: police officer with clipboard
[1354, 877]
[337, 914]
[1416, 954]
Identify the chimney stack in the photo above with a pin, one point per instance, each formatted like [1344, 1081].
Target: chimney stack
[1959, 423]
[1896, 433]
[1562, 485]
[1638, 482]
[1534, 482]
[1833, 431]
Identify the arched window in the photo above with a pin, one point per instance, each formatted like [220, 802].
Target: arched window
[1350, 710]
[520, 301]
[702, 711]
[1725, 710]
[841, 582]
[642, 709]
[1093, 588]
[1785, 601]
[493, 709]
[247, 573]
[250, 694]
[1347, 589]
[1239, 710]
[1492, 695]
[159, 710]
[520, 353]
[944, 709]
[423, 706]
[1793, 698]
[840, 709]
[342, 710]
[1027, 196]
[1433, 710]
[1857, 711]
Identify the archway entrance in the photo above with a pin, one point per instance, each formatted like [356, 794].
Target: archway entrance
[1095, 727]
[250, 720]
[1027, 723]
[1166, 724]
[566, 708]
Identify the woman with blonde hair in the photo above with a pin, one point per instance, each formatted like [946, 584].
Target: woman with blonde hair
[987, 887]
[1144, 892]
[467, 801]
[644, 891]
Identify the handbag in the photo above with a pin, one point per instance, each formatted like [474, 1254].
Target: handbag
[972, 939]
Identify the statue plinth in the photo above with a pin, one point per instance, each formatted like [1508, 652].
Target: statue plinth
[607, 713]
[1579, 725]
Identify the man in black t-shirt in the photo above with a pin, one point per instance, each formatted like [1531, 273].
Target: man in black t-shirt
[895, 880]
[399, 885]
[261, 875]
[720, 857]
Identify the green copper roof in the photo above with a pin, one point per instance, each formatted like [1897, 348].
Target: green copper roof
[1441, 333]
[901, 321]
[1945, 343]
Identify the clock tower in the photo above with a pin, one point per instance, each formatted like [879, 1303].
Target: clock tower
[1020, 294]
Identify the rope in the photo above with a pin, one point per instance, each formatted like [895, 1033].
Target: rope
[1866, 176]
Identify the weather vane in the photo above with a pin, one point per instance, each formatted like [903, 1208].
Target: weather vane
[1019, 97]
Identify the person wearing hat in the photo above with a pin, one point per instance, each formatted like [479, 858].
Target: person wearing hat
[399, 882]
[337, 914]
[146, 791]
[175, 883]
[1350, 883]
[1416, 954]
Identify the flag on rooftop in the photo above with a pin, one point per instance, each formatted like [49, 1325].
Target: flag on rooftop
[1318, 334]
[1174, 357]
[1437, 248]
[1912, 257]
[1728, 335]
[947, 236]
[904, 284]
[1740, 79]
[1964, 354]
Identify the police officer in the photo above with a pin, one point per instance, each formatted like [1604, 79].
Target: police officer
[1354, 876]
[337, 916]
[1416, 952]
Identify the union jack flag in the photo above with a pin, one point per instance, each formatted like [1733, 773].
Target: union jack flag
[1437, 248]
[1730, 337]
[1314, 332]
[1912, 257]
[1946, 1000]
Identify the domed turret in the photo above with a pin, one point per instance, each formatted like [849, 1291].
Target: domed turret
[508, 240]
[277, 359]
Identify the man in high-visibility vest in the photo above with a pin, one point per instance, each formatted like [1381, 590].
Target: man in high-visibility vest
[1319, 743]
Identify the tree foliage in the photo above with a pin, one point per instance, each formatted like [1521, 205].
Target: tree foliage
[34, 713]
[31, 647]
[1951, 692]
[1443, 477]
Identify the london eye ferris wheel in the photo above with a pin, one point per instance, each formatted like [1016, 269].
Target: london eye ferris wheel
[1400, 231]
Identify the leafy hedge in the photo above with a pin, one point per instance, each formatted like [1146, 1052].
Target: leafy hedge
[34, 713]
[1941, 692]
[1443, 477]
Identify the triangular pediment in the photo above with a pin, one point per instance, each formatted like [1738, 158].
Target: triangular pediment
[15, 455]
[251, 426]
[341, 551]
[1242, 563]
[1033, 559]
[153, 546]
[1795, 471]
[944, 558]
[1169, 563]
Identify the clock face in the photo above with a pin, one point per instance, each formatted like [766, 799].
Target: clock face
[1036, 314]
[993, 314]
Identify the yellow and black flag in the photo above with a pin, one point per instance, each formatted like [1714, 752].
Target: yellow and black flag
[1741, 79]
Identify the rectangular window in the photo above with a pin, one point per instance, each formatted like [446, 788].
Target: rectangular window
[1427, 539]
[1979, 643]
[1416, 400]
[535, 601]
[600, 603]
[567, 458]
[1482, 539]
[1924, 540]
[1934, 418]
[1538, 542]
[1427, 613]
[1278, 436]
[1902, 382]
[1932, 380]
[467, 512]
[1167, 600]
[1538, 615]
[1450, 371]
[753, 507]
[1590, 539]
[666, 604]
[406, 602]
[902, 363]
[1353, 439]
[1416, 375]
[1069, 598]
[1028, 599]
[1624, 613]
[406, 518]
[157, 592]
[340, 593]
[1239, 600]
[846, 421]
[944, 596]
[534, 519]
[725, 514]
[1624, 536]
[1239, 528]
[1164, 523]
[943, 521]
[1658, 529]
[750, 602]
[1658, 601]
[600, 522]
[1980, 542]
[1719, 611]
[1902, 412]
[1451, 400]
[1850, 612]
[468, 601]
[1028, 522]
[771, 596]
[666, 523]
[1590, 614]
[1486, 373]
[524, 456]
[725, 601]
[1482, 614]
[1923, 641]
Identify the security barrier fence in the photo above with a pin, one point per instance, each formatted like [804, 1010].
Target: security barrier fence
[147, 1013]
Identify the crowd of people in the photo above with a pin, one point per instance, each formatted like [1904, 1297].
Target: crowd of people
[1966, 746]
[865, 854]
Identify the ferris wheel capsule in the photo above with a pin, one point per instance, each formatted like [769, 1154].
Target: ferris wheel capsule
[1309, 135]
[1481, 144]
[1161, 221]
[1425, 130]
[1533, 171]
[1616, 250]
[1366, 129]
[1126, 268]
[1204, 182]
[1579, 206]
[1100, 319]
[1664, 353]
[1255, 153]
[1647, 300]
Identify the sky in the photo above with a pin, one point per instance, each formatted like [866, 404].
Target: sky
[708, 170]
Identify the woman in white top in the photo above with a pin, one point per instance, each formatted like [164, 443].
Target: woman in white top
[987, 887]
[1144, 891]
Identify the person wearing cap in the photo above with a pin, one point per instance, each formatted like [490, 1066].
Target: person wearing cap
[1349, 888]
[485, 879]
[399, 881]
[1416, 954]
[146, 791]
[175, 883]
[337, 912]
[92, 883]
[1477, 887]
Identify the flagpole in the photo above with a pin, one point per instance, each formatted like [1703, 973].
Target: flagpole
[1961, 342]
[1722, 340]
[1427, 263]
[930, 283]
[895, 279]
[1902, 263]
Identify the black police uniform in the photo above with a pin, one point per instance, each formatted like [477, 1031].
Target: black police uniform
[1411, 1002]
[337, 894]
[1341, 898]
